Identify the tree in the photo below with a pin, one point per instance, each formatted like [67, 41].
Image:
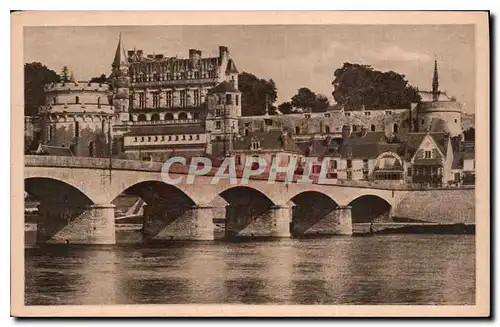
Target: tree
[36, 76]
[285, 107]
[357, 85]
[254, 92]
[470, 134]
[308, 100]
[101, 79]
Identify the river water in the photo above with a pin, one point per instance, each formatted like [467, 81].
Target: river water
[392, 269]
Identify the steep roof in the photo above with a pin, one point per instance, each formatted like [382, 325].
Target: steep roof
[410, 142]
[320, 148]
[458, 161]
[223, 87]
[272, 140]
[367, 145]
[231, 67]
[120, 55]
[53, 150]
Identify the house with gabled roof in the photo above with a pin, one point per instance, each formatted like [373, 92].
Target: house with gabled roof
[429, 158]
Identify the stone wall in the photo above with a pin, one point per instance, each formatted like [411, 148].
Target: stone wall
[439, 206]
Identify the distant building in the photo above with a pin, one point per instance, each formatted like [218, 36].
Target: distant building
[170, 105]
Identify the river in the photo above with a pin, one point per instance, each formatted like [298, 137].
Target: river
[386, 269]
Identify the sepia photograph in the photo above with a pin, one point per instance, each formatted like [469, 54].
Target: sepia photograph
[243, 165]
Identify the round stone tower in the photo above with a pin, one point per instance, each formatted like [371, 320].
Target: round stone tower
[78, 116]
[439, 113]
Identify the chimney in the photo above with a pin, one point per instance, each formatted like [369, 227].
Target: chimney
[223, 52]
[194, 56]
[130, 53]
[140, 53]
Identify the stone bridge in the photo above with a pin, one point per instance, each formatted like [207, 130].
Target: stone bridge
[76, 202]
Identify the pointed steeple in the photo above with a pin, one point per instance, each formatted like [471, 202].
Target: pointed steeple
[435, 82]
[120, 55]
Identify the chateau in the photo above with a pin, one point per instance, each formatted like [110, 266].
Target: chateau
[157, 106]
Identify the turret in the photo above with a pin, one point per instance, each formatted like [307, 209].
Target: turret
[121, 80]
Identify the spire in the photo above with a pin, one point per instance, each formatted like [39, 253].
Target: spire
[435, 82]
[120, 56]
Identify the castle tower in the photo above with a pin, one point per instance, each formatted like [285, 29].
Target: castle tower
[224, 109]
[121, 81]
[435, 83]
[438, 112]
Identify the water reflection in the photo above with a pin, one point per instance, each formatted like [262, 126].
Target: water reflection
[340, 270]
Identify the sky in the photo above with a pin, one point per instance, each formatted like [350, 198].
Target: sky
[294, 56]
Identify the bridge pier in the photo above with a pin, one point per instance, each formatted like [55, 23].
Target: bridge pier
[322, 222]
[73, 224]
[178, 222]
[247, 222]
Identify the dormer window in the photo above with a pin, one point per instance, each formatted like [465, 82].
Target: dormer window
[388, 112]
[428, 154]
[255, 144]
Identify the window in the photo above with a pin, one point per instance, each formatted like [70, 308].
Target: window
[367, 113]
[156, 100]
[135, 139]
[142, 100]
[307, 116]
[316, 169]
[457, 177]
[99, 104]
[182, 116]
[349, 163]
[131, 101]
[422, 121]
[473, 164]
[372, 128]
[190, 137]
[388, 112]
[177, 137]
[170, 137]
[142, 138]
[349, 175]
[395, 128]
[163, 138]
[238, 160]
[155, 117]
[197, 136]
[334, 164]
[183, 95]
[327, 115]
[77, 99]
[217, 125]
[427, 154]
[327, 129]
[149, 138]
[217, 113]
[354, 128]
[365, 163]
[228, 98]
[409, 172]
[169, 116]
[297, 130]
[141, 117]
[156, 138]
[255, 144]
[169, 99]
[77, 129]
[197, 99]
[456, 121]
[237, 99]
[183, 137]
[348, 114]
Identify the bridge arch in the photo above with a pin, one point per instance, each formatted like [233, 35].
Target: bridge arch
[370, 207]
[53, 190]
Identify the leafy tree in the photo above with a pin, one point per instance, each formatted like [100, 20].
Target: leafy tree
[357, 85]
[36, 76]
[255, 91]
[307, 99]
[285, 107]
[101, 79]
[470, 134]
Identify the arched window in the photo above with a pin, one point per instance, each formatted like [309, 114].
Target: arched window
[91, 148]
[155, 117]
[141, 117]
[327, 129]
[395, 128]
[297, 130]
[183, 116]
[372, 128]
[169, 116]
